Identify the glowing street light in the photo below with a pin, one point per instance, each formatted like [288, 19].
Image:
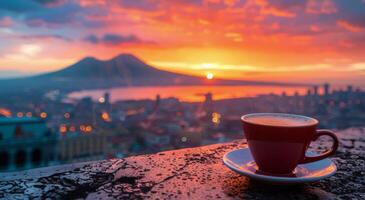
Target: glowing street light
[216, 118]
[105, 116]
[43, 115]
[63, 128]
[101, 100]
[88, 129]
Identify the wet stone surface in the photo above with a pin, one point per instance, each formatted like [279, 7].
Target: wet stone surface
[195, 173]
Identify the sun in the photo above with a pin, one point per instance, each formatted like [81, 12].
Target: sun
[210, 75]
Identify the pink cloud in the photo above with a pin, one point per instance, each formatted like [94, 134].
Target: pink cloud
[346, 25]
[6, 22]
[321, 7]
[277, 12]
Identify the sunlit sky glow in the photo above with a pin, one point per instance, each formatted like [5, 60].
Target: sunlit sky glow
[274, 40]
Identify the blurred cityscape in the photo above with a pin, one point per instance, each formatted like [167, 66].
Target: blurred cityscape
[55, 130]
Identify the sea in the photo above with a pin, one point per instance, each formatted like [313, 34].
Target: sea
[186, 93]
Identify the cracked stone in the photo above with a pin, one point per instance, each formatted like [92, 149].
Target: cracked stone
[193, 173]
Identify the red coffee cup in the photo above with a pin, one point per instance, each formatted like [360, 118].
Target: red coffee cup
[278, 141]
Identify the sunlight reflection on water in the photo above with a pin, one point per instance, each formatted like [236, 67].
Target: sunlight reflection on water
[187, 93]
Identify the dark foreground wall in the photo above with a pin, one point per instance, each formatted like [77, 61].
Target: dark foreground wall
[196, 173]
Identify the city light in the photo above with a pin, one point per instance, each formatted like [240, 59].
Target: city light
[63, 128]
[67, 115]
[88, 129]
[82, 128]
[28, 114]
[43, 115]
[5, 112]
[101, 100]
[210, 75]
[216, 118]
[19, 114]
[105, 116]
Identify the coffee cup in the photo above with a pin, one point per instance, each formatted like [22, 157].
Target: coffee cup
[278, 142]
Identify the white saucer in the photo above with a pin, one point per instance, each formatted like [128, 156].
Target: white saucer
[241, 161]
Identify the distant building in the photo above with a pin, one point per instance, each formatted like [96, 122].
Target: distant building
[106, 98]
[326, 88]
[190, 137]
[296, 94]
[78, 147]
[84, 109]
[309, 93]
[208, 104]
[349, 89]
[25, 143]
[315, 90]
[157, 101]
[208, 98]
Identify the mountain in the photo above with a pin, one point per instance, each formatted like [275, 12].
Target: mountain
[122, 70]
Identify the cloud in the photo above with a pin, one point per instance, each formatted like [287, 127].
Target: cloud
[51, 13]
[193, 2]
[66, 14]
[19, 5]
[321, 7]
[357, 67]
[30, 49]
[280, 8]
[112, 39]
[245, 68]
[50, 2]
[6, 22]
[355, 20]
[147, 5]
[45, 37]
[278, 12]
[348, 26]
[92, 39]
[286, 31]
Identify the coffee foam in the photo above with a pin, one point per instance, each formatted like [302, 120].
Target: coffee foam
[276, 119]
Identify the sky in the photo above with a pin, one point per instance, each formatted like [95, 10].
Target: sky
[303, 41]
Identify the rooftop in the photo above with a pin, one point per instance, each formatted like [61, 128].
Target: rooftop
[193, 173]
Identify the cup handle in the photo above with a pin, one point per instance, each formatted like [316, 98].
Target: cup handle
[326, 153]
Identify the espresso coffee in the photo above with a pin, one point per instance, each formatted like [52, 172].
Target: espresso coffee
[278, 141]
[273, 119]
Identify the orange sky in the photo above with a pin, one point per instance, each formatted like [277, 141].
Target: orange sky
[305, 41]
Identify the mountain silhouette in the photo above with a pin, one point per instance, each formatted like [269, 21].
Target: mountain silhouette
[123, 66]
[122, 70]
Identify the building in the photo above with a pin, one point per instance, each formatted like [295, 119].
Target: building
[81, 146]
[326, 88]
[315, 90]
[25, 143]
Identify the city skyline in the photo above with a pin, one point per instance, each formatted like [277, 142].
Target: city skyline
[284, 41]
[87, 129]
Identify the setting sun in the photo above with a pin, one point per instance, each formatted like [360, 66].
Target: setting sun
[210, 75]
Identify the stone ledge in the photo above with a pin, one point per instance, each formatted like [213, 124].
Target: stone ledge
[194, 173]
